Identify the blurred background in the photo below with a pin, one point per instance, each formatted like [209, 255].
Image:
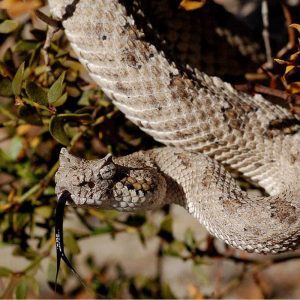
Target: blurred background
[47, 101]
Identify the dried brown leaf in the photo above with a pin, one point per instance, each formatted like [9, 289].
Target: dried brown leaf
[192, 5]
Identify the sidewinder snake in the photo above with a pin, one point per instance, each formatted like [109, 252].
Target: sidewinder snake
[204, 122]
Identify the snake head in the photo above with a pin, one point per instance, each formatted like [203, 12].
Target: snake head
[88, 181]
[104, 184]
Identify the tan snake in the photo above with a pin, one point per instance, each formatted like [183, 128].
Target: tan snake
[205, 124]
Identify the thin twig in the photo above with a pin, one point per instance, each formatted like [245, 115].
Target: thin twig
[39, 188]
[49, 21]
[291, 32]
[49, 37]
[259, 283]
[159, 264]
[83, 220]
[233, 284]
[53, 27]
[34, 104]
[213, 253]
[265, 32]
[261, 89]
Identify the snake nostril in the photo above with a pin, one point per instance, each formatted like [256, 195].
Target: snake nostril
[91, 184]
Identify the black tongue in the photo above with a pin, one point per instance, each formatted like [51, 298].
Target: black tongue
[59, 237]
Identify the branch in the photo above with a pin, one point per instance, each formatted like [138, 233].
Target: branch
[261, 89]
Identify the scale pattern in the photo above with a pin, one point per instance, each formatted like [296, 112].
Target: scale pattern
[187, 109]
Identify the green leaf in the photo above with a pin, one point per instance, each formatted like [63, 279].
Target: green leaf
[8, 26]
[17, 81]
[51, 270]
[56, 90]
[33, 285]
[166, 291]
[76, 117]
[189, 239]
[102, 230]
[166, 229]
[26, 284]
[56, 128]
[174, 249]
[49, 191]
[30, 115]
[84, 99]
[167, 224]
[5, 272]
[25, 172]
[20, 220]
[57, 125]
[44, 211]
[200, 274]
[51, 274]
[25, 46]
[15, 148]
[21, 289]
[36, 93]
[5, 159]
[61, 100]
[71, 243]
[34, 265]
[5, 87]
[29, 253]
[149, 230]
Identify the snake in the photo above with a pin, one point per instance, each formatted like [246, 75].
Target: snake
[209, 129]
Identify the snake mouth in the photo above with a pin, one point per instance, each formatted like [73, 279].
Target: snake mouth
[62, 191]
[93, 197]
[72, 199]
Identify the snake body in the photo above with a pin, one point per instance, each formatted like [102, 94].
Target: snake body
[204, 122]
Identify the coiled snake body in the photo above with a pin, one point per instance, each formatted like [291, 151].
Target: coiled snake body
[205, 124]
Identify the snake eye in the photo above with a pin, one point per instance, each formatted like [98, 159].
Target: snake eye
[77, 179]
[108, 171]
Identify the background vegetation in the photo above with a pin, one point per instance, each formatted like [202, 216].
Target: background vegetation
[46, 101]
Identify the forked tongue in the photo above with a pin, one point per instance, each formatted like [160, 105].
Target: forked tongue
[59, 237]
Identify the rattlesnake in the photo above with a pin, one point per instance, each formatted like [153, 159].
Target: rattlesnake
[205, 124]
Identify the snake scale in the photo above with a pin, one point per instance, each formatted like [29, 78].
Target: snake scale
[204, 122]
